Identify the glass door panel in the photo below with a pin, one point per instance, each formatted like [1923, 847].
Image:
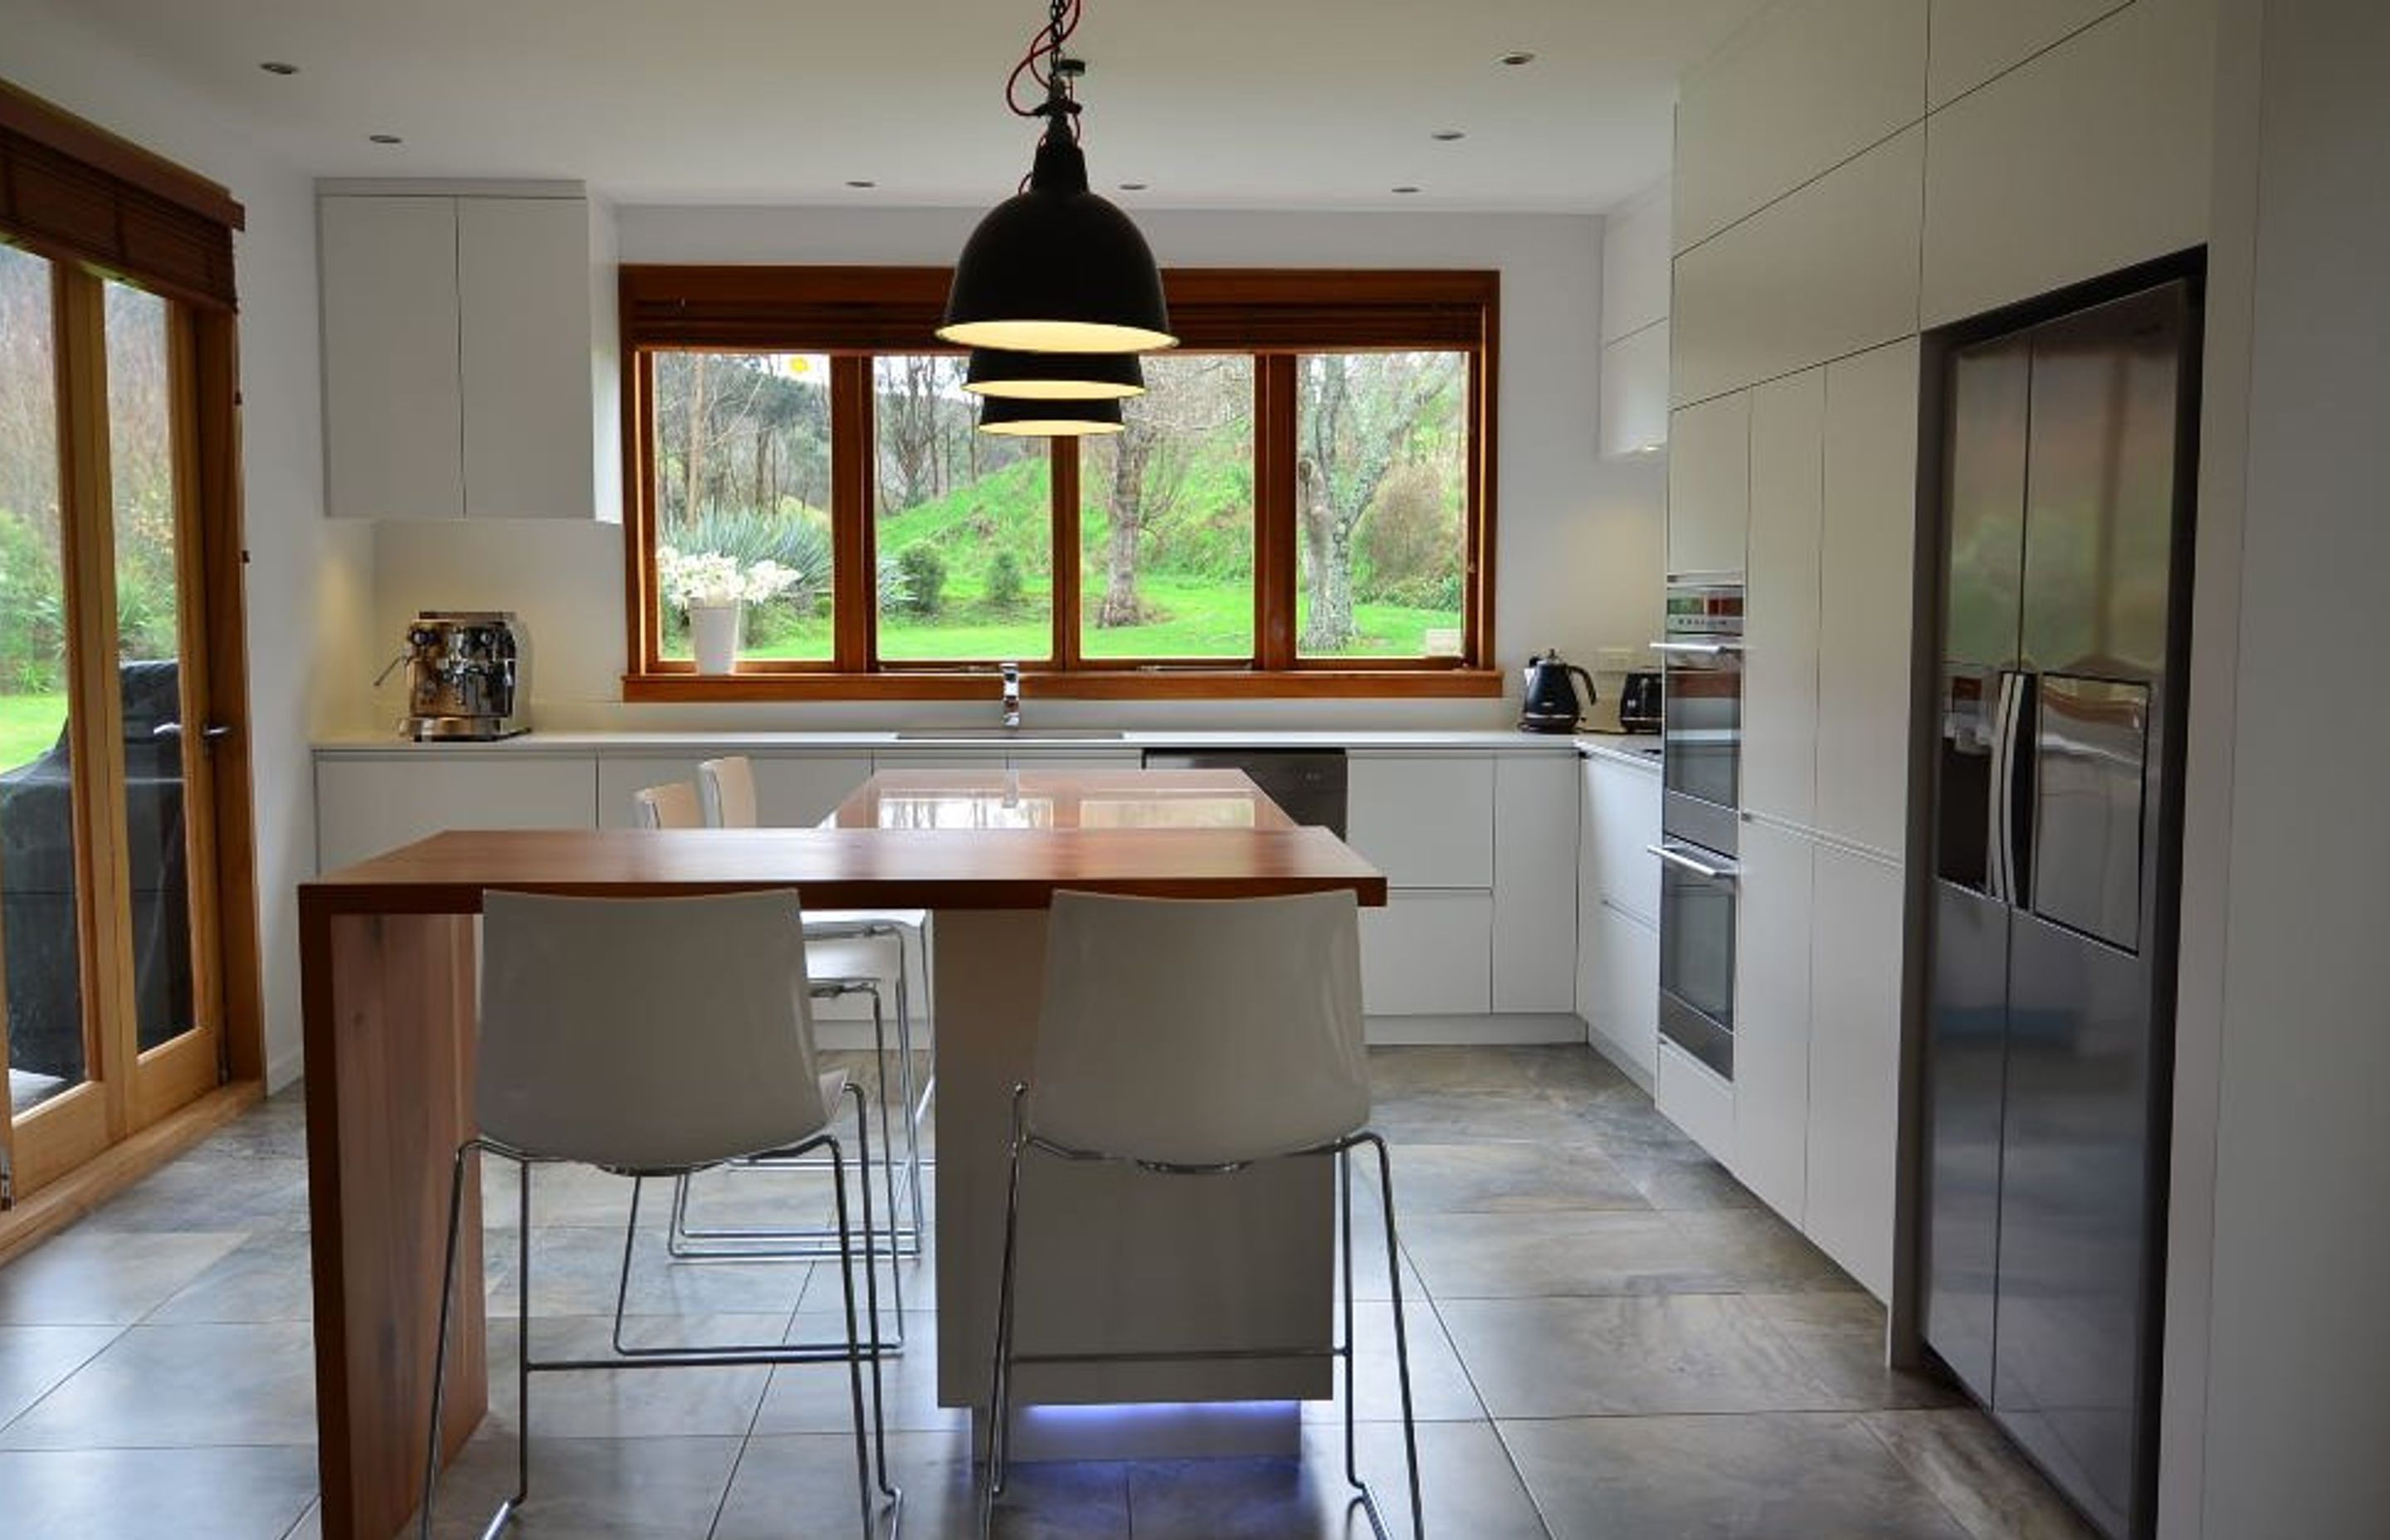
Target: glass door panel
[165, 749]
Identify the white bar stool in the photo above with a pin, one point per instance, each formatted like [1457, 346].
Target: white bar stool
[1196, 1038]
[727, 795]
[571, 1067]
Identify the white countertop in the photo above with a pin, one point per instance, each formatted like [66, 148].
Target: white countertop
[1476, 740]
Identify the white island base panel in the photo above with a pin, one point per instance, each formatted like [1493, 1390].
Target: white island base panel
[1112, 1258]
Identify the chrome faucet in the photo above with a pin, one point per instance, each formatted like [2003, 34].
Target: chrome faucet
[1011, 672]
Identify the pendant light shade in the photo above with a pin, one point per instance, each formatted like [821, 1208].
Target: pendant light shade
[1047, 419]
[1054, 376]
[1058, 269]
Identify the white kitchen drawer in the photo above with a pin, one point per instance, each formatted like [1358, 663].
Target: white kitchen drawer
[1622, 824]
[1535, 883]
[1696, 1101]
[1428, 954]
[1425, 820]
[366, 806]
[1618, 988]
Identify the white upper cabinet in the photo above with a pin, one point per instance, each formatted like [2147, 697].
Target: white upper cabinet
[1536, 841]
[1425, 820]
[1709, 486]
[391, 391]
[1854, 1089]
[1779, 632]
[1771, 1016]
[1974, 40]
[1635, 253]
[2091, 157]
[1867, 535]
[468, 348]
[1635, 393]
[1807, 85]
[1830, 270]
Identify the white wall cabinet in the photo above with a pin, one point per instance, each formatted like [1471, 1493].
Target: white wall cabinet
[1779, 636]
[1635, 249]
[1428, 954]
[365, 804]
[1709, 486]
[1854, 1086]
[1771, 1017]
[1974, 40]
[463, 340]
[1536, 839]
[1866, 544]
[1635, 393]
[1425, 820]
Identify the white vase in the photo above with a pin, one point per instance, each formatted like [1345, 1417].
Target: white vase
[714, 636]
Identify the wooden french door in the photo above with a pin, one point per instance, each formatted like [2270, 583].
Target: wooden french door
[113, 948]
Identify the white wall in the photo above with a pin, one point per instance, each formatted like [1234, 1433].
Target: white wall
[308, 582]
[2279, 1340]
[1578, 540]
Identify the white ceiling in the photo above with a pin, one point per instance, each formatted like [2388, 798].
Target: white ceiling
[1216, 103]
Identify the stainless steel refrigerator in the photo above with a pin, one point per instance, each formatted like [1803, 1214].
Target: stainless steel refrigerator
[2066, 482]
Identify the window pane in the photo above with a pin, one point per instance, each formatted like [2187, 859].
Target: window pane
[743, 457]
[1166, 516]
[963, 523]
[37, 872]
[148, 666]
[1380, 501]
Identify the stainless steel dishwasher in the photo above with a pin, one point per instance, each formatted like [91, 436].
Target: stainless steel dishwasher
[1307, 784]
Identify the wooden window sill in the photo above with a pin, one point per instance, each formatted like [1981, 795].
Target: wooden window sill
[1106, 685]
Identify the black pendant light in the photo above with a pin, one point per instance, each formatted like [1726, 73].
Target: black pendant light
[1047, 419]
[1054, 376]
[1055, 268]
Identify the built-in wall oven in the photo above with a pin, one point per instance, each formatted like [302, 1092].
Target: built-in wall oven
[1701, 741]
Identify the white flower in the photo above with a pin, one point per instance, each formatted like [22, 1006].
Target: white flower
[711, 578]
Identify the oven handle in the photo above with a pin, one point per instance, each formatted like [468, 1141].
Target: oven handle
[1698, 650]
[1703, 870]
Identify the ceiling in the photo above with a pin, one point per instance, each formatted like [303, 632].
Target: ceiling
[1214, 103]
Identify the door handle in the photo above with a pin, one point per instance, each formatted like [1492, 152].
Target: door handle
[1698, 650]
[1676, 857]
[213, 732]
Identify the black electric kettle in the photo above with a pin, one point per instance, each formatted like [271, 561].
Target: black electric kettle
[1551, 704]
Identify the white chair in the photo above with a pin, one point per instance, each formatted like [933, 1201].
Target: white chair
[861, 937]
[572, 1068]
[1195, 1038]
[671, 805]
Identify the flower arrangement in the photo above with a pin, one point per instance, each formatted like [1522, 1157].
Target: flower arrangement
[693, 580]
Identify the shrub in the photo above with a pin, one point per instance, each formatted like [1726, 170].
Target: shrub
[1004, 580]
[1407, 535]
[32, 624]
[924, 571]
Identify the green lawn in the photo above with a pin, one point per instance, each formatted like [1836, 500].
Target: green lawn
[28, 725]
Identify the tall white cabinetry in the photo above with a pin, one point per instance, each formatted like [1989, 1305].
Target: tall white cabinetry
[1618, 913]
[469, 351]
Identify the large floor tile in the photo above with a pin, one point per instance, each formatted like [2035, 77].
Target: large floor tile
[1466, 1256]
[34, 1359]
[1761, 1477]
[93, 1277]
[630, 1402]
[1628, 1355]
[1676, 1182]
[804, 1485]
[1440, 1388]
[203, 1192]
[1466, 1117]
[590, 1489]
[1978, 1475]
[180, 1386]
[1497, 1178]
[266, 1278]
[228, 1493]
[1439, 1069]
[1467, 1486]
[818, 1398]
[1841, 1338]
[576, 1271]
[1759, 1252]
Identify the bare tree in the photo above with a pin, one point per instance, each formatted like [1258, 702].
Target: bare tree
[1189, 399]
[1357, 411]
[911, 390]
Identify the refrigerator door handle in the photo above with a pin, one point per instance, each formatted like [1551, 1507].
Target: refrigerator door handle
[2008, 760]
[1996, 797]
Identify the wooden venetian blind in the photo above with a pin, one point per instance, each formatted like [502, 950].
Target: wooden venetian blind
[72, 190]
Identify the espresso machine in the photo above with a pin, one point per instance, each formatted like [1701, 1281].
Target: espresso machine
[465, 676]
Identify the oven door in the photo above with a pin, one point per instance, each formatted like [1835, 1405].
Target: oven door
[1697, 895]
[1701, 736]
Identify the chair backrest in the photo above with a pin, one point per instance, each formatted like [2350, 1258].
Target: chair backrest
[1201, 1031]
[671, 805]
[645, 1034]
[726, 787]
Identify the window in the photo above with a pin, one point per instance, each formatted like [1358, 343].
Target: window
[1300, 505]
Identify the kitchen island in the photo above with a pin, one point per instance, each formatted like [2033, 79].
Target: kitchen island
[1117, 1258]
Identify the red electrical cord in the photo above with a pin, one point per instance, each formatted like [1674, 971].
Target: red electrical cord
[1048, 43]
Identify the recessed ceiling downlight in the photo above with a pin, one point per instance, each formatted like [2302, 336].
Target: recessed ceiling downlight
[1517, 58]
[385, 138]
[1405, 189]
[861, 182]
[1446, 135]
[278, 67]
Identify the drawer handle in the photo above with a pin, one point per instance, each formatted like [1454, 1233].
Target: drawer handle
[1699, 869]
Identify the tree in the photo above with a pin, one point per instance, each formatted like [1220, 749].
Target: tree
[912, 388]
[1189, 399]
[1357, 414]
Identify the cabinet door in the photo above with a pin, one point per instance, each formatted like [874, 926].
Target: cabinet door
[1771, 1017]
[1535, 882]
[1428, 954]
[390, 399]
[937, 759]
[1619, 988]
[1709, 486]
[365, 806]
[1635, 393]
[1780, 638]
[1855, 1062]
[1864, 645]
[524, 289]
[1623, 825]
[1689, 1094]
[1425, 820]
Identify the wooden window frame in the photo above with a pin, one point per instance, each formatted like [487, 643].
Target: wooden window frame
[854, 313]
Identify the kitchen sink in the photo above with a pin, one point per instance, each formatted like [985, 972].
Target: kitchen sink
[1011, 735]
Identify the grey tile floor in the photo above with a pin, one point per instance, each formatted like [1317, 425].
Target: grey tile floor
[1611, 1339]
